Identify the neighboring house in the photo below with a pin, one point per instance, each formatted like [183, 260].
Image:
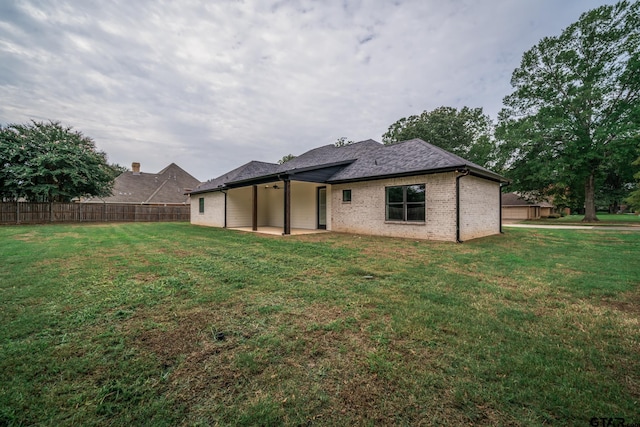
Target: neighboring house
[167, 187]
[410, 189]
[516, 207]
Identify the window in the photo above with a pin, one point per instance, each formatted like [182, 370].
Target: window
[405, 203]
[346, 196]
[201, 201]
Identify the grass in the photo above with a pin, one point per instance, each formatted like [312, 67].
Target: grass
[604, 219]
[172, 324]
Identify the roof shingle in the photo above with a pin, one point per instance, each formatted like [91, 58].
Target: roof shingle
[165, 187]
[362, 160]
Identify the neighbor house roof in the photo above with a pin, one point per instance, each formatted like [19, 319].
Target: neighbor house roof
[165, 187]
[360, 161]
[516, 199]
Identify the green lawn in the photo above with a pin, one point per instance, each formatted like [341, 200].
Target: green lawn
[173, 324]
[604, 219]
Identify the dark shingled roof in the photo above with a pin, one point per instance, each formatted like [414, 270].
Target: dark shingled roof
[407, 157]
[253, 169]
[165, 187]
[515, 199]
[359, 161]
[330, 154]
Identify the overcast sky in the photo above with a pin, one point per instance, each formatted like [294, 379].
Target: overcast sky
[211, 85]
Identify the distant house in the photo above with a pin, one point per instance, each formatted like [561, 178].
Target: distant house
[167, 187]
[517, 207]
[409, 189]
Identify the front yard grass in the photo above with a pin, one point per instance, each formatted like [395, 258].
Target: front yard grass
[173, 324]
[605, 219]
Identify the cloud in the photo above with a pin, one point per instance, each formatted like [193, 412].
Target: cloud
[212, 85]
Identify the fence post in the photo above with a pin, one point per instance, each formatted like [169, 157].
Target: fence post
[17, 212]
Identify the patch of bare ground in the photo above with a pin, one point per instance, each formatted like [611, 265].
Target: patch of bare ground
[628, 303]
[173, 335]
[317, 353]
[27, 237]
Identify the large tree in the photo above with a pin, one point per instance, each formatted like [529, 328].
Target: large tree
[467, 132]
[51, 163]
[572, 123]
[634, 197]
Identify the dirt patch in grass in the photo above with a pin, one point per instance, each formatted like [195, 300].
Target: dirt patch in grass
[27, 237]
[318, 353]
[628, 302]
[171, 336]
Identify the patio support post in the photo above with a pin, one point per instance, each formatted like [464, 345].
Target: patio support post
[287, 207]
[254, 216]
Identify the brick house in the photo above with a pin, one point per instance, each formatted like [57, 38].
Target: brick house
[167, 187]
[410, 189]
[517, 207]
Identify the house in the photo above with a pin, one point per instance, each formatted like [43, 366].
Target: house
[516, 207]
[167, 187]
[410, 189]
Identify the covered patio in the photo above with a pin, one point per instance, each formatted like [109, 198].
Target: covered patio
[277, 231]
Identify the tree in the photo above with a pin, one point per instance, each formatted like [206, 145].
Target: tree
[634, 197]
[117, 169]
[342, 141]
[286, 158]
[467, 132]
[573, 120]
[51, 163]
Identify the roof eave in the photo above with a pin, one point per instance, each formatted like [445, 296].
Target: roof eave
[207, 190]
[278, 176]
[462, 167]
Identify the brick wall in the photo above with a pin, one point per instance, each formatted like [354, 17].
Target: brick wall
[365, 214]
[479, 207]
[213, 209]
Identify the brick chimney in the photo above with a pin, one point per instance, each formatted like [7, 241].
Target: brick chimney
[135, 166]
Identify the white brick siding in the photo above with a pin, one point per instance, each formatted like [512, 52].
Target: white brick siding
[213, 209]
[270, 206]
[366, 212]
[479, 207]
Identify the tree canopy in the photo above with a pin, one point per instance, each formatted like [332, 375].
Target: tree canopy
[572, 124]
[342, 142]
[467, 132]
[286, 158]
[634, 198]
[51, 163]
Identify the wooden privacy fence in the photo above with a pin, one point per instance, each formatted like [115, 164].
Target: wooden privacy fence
[39, 213]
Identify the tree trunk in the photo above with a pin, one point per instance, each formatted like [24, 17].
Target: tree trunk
[589, 199]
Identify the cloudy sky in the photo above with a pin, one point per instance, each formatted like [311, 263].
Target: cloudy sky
[211, 85]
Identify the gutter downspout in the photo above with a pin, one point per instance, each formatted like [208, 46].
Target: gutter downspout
[462, 172]
[500, 219]
[225, 207]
